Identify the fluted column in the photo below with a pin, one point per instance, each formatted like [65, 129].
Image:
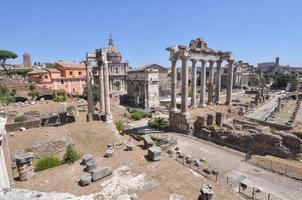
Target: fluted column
[218, 82]
[173, 84]
[211, 83]
[184, 86]
[106, 90]
[193, 84]
[229, 82]
[202, 83]
[101, 86]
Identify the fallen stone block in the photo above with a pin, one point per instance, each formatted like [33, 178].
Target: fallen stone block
[174, 196]
[86, 158]
[206, 192]
[130, 146]
[109, 153]
[154, 153]
[90, 165]
[148, 142]
[85, 180]
[100, 172]
[22, 129]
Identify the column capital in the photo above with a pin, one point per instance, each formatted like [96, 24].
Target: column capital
[203, 61]
[231, 61]
[193, 60]
[183, 58]
[219, 62]
[211, 63]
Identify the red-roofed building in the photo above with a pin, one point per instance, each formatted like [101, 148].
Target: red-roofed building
[63, 76]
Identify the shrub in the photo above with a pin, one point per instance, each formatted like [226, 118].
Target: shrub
[71, 154]
[32, 87]
[28, 149]
[59, 96]
[21, 118]
[158, 123]
[7, 96]
[137, 114]
[33, 94]
[119, 125]
[47, 162]
[141, 132]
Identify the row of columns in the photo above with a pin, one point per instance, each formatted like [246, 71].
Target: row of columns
[184, 86]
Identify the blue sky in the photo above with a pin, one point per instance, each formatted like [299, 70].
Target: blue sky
[50, 30]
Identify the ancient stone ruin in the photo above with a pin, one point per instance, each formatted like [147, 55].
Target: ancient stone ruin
[197, 51]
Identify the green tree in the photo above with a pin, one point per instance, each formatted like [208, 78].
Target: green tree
[4, 55]
[280, 81]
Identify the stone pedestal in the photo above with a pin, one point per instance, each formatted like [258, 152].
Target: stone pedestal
[24, 166]
[181, 123]
[210, 120]
[219, 118]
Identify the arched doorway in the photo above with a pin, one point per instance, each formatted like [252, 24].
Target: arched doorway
[117, 86]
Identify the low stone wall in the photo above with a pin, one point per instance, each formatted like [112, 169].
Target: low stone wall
[15, 126]
[272, 125]
[180, 123]
[278, 165]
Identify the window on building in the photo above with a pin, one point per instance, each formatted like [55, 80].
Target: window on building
[116, 70]
[62, 81]
[80, 73]
[46, 76]
[70, 73]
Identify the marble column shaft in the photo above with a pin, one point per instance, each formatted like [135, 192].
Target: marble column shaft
[184, 86]
[101, 87]
[230, 82]
[173, 85]
[218, 82]
[202, 83]
[211, 83]
[106, 89]
[193, 84]
[89, 89]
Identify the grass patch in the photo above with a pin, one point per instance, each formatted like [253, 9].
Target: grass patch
[7, 96]
[138, 114]
[47, 163]
[141, 132]
[21, 118]
[59, 96]
[159, 123]
[120, 126]
[28, 149]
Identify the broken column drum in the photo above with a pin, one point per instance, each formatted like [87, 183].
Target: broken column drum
[24, 166]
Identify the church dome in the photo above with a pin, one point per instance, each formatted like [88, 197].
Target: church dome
[113, 54]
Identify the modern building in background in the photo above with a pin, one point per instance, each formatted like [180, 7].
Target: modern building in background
[63, 76]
